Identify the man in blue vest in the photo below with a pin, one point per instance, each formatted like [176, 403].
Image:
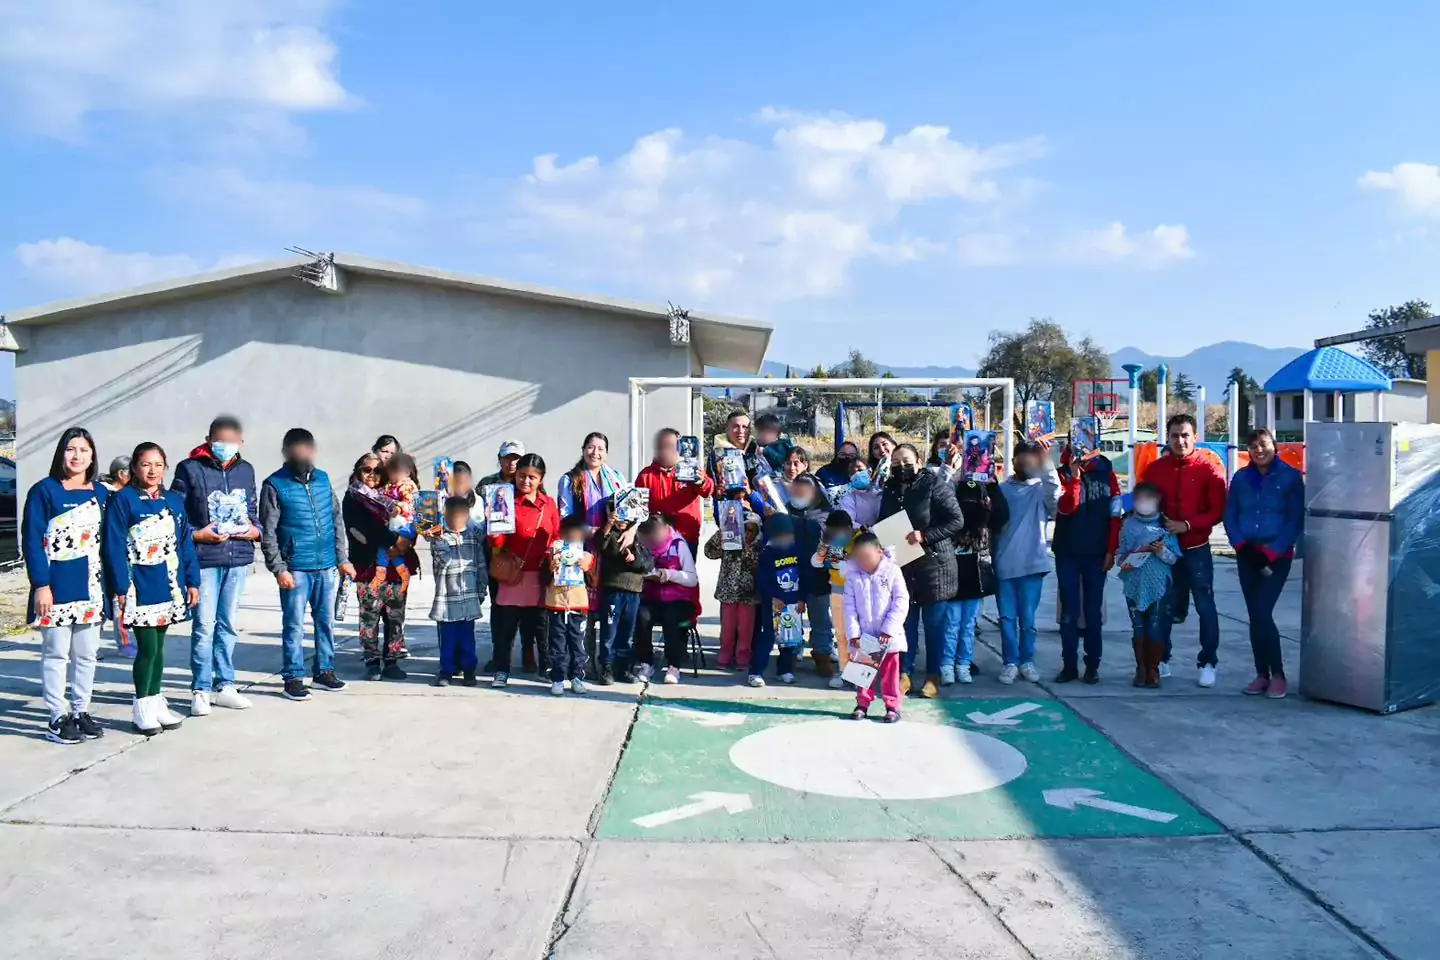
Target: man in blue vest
[1087, 531]
[304, 543]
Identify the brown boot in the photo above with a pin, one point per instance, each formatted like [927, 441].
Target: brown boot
[1138, 644]
[905, 684]
[931, 690]
[824, 665]
[1154, 653]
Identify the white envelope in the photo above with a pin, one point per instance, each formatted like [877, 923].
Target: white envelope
[892, 532]
[859, 674]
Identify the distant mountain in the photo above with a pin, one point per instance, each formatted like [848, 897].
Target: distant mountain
[1207, 366]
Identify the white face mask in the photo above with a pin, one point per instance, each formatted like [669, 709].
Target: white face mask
[1146, 507]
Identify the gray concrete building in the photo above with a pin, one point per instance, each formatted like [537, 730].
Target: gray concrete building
[449, 363]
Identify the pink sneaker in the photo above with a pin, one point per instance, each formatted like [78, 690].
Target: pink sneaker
[1257, 686]
[1277, 688]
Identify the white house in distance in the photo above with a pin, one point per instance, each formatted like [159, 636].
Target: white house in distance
[356, 347]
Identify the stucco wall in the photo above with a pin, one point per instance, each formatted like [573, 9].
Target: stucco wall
[1405, 404]
[450, 372]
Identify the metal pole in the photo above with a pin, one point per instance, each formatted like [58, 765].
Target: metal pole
[636, 415]
[1232, 449]
[1309, 415]
[1202, 413]
[1270, 412]
[1162, 380]
[1008, 439]
[1339, 402]
[1133, 371]
[879, 410]
[1379, 407]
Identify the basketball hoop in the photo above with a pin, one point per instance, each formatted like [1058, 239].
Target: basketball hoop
[1107, 418]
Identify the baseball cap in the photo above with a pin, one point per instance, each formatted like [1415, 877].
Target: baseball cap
[512, 448]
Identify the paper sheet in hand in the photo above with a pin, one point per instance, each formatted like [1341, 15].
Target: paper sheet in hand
[892, 532]
[859, 674]
[1136, 560]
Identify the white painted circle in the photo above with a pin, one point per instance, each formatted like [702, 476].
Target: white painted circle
[878, 761]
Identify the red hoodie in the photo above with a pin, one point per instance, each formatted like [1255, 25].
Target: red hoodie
[1192, 489]
[681, 502]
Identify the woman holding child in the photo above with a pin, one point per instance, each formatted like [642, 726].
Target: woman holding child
[366, 514]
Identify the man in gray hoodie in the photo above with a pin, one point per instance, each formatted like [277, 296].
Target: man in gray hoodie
[1022, 557]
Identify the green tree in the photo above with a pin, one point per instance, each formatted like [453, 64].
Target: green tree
[1149, 385]
[1248, 386]
[1182, 388]
[1388, 353]
[1043, 363]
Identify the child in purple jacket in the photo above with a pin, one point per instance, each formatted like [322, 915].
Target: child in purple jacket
[876, 601]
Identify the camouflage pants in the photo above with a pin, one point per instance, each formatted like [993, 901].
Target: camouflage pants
[384, 603]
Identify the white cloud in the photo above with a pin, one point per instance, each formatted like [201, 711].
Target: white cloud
[1416, 186]
[62, 60]
[294, 205]
[987, 250]
[740, 222]
[1165, 244]
[74, 267]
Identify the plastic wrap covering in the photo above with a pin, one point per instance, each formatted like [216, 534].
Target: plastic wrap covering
[1370, 627]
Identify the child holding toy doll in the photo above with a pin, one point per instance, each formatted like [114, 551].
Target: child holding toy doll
[735, 590]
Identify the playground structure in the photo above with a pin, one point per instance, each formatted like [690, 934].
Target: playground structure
[990, 385]
[879, 405]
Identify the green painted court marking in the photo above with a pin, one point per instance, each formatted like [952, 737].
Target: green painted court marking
[955, 769]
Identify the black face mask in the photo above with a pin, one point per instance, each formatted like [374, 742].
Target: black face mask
[905, 474]
[301, 467]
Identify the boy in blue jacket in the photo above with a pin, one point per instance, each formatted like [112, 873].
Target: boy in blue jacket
[779, 580]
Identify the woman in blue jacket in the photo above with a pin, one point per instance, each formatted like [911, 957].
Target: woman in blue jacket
[1264, 515]
[60, 541]
[154, 574]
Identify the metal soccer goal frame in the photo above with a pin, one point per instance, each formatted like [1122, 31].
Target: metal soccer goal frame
[638, 386]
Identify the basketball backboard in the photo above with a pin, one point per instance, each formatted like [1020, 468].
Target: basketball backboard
[1101, 396]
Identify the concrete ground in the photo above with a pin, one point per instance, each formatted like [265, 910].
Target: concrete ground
[398, 820]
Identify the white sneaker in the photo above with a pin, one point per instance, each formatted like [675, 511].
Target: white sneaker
[755, 681]
[1008, 673]
[501, 679]
[230, 699]
[200, 704]
[947, 675]
[787, 678]
[644, 672]
[672, 675]
[578, 686]
[836, 683]
[557, 689]
[1028, 671]
[1207, 676]
[962, 673]
[1164, 669]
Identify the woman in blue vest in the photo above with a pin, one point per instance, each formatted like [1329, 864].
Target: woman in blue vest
[303, 539]
[1264, 516]
[60, 541]
[154, 574]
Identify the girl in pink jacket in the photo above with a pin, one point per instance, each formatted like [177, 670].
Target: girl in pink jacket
[876, 601]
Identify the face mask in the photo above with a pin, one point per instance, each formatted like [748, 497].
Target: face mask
[302, 466]
[905, 473]
[861, 481]
[801, 502]
[840, 541]
[1146, 507]
[223, 451]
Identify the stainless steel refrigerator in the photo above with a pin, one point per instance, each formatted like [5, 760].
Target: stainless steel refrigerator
[1370, 621]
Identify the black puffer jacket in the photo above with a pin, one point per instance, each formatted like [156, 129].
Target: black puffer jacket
[930, 504]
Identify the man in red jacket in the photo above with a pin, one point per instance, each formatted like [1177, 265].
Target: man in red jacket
[681, 502]
[1192, 490]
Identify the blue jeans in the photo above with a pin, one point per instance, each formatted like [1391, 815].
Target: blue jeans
[1262, 592]
[822, 630]
[1018, 598]
[617, 632]
[1195, 572]
[457, 646]
[941, 620]
[212, 663]
[966, 616]
[1081, 583]
[912, 641]
[765, 642]
[1148, 624]
[315, 589]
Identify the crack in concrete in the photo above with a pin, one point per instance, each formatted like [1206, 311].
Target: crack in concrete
[994, 912]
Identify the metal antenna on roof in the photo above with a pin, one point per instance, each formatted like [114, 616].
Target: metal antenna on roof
[679, 325]
[320, 272]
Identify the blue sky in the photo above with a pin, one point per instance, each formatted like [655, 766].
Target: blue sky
[903, 182]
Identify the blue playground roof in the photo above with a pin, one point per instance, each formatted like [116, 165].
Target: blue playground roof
[1327, 370]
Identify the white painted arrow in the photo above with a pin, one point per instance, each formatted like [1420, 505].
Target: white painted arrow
[1003, 718]
[1073, 797]
[707, 802]
[706, 719]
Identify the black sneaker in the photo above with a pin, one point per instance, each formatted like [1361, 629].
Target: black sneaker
[63, 730]
[1067, 675]
[467, 679]
[1092, 675]
[607, 675]
[441, 680]
[372, 669]
[328, 681]
[295, 690]
[87, 726]
[392, 671]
